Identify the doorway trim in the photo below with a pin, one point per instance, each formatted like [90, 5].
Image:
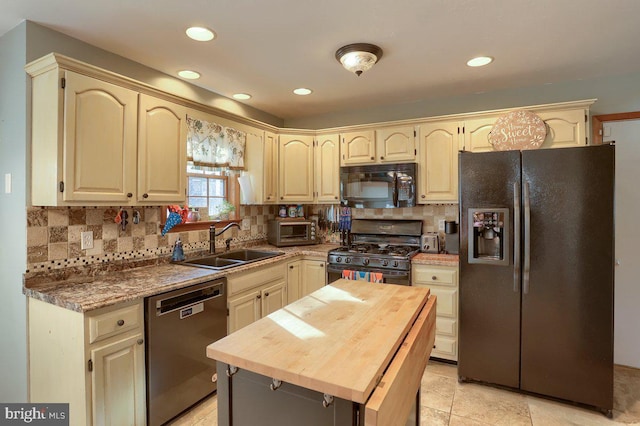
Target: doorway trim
[597, 120]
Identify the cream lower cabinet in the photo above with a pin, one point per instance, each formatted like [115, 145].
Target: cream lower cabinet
[93, 361]
[443, 282]
[295, 169]
[304, 277]
[255, 294]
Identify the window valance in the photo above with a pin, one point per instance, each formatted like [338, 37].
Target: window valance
[214, 145]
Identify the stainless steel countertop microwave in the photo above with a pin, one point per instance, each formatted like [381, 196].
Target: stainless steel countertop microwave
[292, 232]
[379, 185]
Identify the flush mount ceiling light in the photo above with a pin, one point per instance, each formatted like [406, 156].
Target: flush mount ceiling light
[358, 57]
[302, 91]
[200, 33]
[480, 61]
[189, 75]
[242, 96]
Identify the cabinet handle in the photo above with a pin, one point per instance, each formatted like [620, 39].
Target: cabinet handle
[423, 196]
[290, 266]
[120, 322]
[129, 195]
[434, 278]
[282, 198]
[145, 195]
[335, 197]
[140, 341]
[266, 294]
[259, 296]
[382, 158]
[373, 158]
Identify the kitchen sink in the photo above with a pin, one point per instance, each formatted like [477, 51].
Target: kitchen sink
[230, 259]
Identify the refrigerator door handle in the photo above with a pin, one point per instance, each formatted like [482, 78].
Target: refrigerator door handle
[516, 234]
[527, 239]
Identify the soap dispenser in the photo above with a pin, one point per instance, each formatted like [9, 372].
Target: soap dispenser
[178, 252]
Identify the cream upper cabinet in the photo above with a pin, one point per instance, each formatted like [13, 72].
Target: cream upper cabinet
[475, 133]
[84, 135]
[383, 145]
[396, 144]
[261, 160]
[327, 169]
[357, 148]
[438, 162]
[565, 128]
[162, 151]
[295, 169]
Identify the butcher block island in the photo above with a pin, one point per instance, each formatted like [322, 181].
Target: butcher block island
[351, 353]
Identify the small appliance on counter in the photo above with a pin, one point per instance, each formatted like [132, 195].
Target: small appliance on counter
[294, 231]
[430, 243]
[451, 237]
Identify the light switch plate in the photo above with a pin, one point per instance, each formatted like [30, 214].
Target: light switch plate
[86, 240]
[7, 183]
[441, 225]
[246, 224]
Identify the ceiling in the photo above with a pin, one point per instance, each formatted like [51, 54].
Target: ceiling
[268, 48]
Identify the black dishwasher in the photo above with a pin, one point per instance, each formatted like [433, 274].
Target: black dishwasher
[179, 325]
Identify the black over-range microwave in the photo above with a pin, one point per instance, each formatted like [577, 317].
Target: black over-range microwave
[379, 185]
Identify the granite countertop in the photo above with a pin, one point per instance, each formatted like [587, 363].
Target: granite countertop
[436, 259]
[82, 290]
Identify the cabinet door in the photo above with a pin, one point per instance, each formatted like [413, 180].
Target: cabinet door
[476, 134]
[243, 310]
[100, 125]
[396, 144]
[314, 276]
[357, 148]
[327, 170]
[270, 182]
[274, 297]
[119, 382]
[296, 168]
[294, 274]
[438, 162]
[565, 128]
[162, 151]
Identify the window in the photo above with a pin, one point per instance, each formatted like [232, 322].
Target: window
[212, 193]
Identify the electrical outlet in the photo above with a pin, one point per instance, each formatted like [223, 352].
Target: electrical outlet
[441, 225]
[86, 240]
[246, 224]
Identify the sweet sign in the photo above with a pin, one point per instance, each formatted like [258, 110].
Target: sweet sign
[518, 130]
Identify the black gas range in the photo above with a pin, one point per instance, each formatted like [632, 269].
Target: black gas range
[380, 246]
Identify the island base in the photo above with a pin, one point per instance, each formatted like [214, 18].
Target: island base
[246, 399]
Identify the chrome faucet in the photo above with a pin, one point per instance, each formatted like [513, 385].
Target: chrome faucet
[213, 234]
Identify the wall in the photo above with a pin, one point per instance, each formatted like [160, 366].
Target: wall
[614, 94]
[13, 160]
[626, 349]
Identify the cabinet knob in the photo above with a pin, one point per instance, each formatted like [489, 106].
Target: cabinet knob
[140, 341]
[266, 294]
[129, 195]
[382, 158]
[120, 322]
[145, 195]
[434, 278]
[259, 296]
[290, 266]
[282, 198]
[373, 158]
[423, 196]
[336, 197]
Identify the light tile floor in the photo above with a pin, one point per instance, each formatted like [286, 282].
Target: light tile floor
[447, 402]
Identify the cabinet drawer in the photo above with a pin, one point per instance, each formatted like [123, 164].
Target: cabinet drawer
[447, 301]
[113, 322]
[434, 276]
[446, 326]
[445, 347]
[237, 283]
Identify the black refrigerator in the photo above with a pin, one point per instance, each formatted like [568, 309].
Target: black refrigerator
[536, 271]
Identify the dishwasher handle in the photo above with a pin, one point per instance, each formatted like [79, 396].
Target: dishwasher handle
[174, 303]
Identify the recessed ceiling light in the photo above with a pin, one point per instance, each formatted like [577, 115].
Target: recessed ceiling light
[189, 75]
[302, 91]
[200, 33]
[480, 61]
[242, 96]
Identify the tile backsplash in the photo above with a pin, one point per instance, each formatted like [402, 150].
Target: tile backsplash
[53, 233]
